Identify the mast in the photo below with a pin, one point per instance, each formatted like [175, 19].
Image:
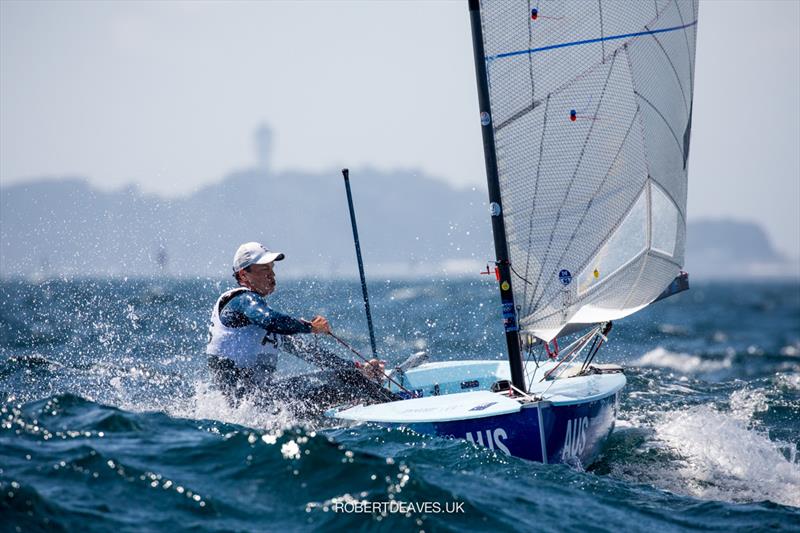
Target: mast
[346, 174]
[495, 203]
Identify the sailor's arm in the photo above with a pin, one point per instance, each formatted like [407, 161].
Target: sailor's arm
[257, 312]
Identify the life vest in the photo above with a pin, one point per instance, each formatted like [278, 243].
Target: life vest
[247, 345]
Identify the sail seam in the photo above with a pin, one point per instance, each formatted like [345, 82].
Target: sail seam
[571, 182]
[638, 277]
[530, 60]
[610, 235]
[518, 114]
[602, 42]
[677, 76]
[594, 288]
[666, 193]
[661, 255]
[688, 48]
[660, 114]
[533, 203]
[591, 200]
[570, 211]
[680, 149]
[644, 137]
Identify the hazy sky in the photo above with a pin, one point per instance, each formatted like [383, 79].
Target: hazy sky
[167, 95]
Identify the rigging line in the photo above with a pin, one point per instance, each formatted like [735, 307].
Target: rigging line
[536, 362]
[385, 375]
[601, 337]
[570, 349]
[589, 354]
[578, 350]
[531, 352]
[533, 201]
[591, 201]
[517, 274]
[522, 393]
[675, 71]
[574, 355]
[575, 173]
[586, 41]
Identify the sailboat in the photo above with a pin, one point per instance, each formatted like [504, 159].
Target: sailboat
[585, 112]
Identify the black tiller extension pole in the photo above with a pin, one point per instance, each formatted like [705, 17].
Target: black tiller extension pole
[346, 174]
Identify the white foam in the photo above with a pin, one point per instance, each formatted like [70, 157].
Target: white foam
[404, 293]
[788, 381]
[724, 456]
[680, 362]
[744, 403]
[673, 329]
[209, 402]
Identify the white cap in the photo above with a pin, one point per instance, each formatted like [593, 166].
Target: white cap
[254, 253]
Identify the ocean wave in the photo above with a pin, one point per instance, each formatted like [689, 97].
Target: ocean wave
[789, 381]
[26, 508]
[674, 329]
[681, 362]
[708, 419]
[717, 452]
[791, 350]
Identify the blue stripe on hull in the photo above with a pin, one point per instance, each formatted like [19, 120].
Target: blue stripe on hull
[571, 432]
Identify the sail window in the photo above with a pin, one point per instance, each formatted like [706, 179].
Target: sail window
[665, 222]
[627, 242]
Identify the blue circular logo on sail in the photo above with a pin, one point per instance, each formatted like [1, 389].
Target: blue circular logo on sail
[565, 276]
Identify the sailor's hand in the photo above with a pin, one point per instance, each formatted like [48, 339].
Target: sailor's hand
[374, 369]
[319, 324]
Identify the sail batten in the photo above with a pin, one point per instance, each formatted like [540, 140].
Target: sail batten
[591, 108]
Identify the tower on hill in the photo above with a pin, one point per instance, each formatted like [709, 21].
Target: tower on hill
[263, 147]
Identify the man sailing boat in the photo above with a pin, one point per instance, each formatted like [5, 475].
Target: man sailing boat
[246, 335]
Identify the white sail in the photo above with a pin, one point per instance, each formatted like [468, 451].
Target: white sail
[591, 105]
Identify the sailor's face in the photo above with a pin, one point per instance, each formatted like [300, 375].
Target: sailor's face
[261, 278]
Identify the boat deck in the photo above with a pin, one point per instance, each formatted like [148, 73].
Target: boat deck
[460, 390]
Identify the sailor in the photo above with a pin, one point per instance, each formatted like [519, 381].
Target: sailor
[246, 334]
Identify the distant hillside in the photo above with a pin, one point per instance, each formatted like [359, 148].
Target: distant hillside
[734, 249]
[410, 224]
[406, 222]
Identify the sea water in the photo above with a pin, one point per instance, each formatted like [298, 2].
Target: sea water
[109, 421]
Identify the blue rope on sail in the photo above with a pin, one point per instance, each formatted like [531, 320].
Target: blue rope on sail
[588, 41]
